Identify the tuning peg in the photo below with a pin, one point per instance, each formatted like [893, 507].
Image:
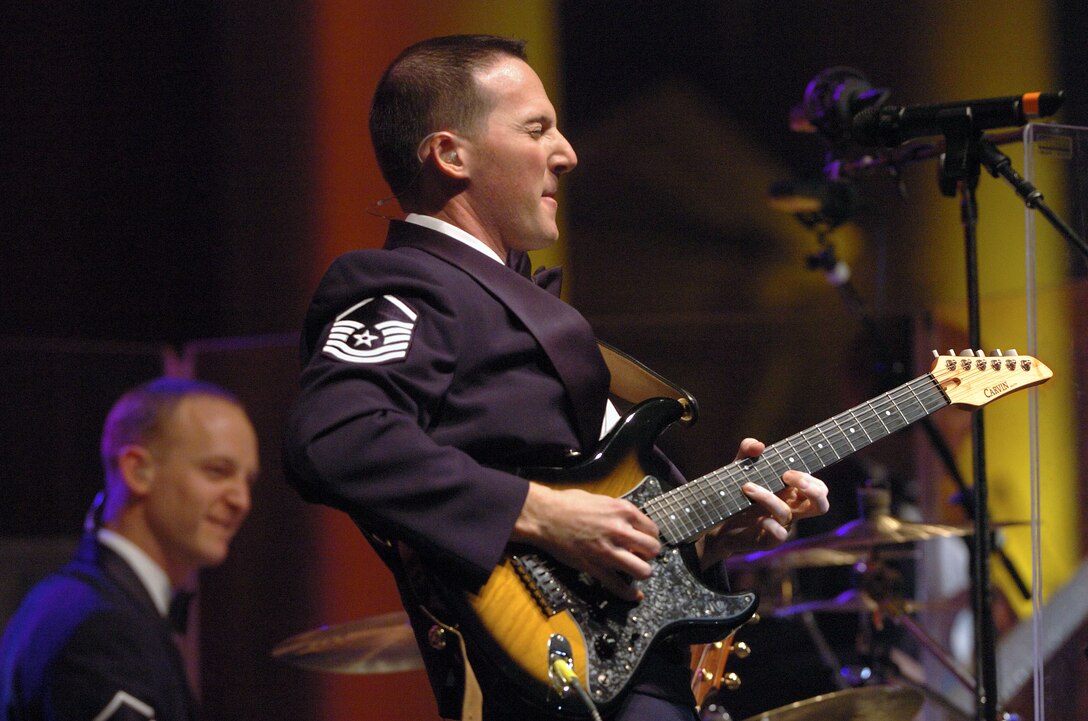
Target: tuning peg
[967, 353]
[731, 681]
[996, 352]
[951, 352]
[1011, 352]
[742, 649]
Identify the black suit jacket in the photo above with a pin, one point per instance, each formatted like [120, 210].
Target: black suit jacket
[415, 434]
[498, 374]
[88, 639]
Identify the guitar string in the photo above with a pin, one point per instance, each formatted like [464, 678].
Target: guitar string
[919, 397]
[689, 510]
[677, 503]
[682, 501]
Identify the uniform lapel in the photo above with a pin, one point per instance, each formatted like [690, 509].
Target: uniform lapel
[120, 573]
[561, 331]
[115, 567]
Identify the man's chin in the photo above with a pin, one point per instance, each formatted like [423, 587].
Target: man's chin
[545, 239]
[214, 554]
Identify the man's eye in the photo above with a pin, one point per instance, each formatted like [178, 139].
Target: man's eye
[536, 132]
[218, 471]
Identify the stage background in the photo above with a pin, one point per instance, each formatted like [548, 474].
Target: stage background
[175, 178]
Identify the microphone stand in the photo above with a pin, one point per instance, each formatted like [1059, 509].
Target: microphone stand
[959, 173]
[966, 149]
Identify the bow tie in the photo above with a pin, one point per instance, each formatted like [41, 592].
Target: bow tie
[178, 613]
[550, 279]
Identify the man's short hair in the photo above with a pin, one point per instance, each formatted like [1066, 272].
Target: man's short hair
[140, 415]
[427, 88]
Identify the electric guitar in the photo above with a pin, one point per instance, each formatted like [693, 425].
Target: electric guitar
[533, 611]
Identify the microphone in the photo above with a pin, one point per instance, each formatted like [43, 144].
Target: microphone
[831, 101]
[890, 125]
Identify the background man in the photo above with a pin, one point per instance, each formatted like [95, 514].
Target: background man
[434, 364]
[93, 640]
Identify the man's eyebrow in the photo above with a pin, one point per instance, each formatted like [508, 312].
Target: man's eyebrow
[542, 118]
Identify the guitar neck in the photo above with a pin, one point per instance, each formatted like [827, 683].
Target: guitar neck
[685, 512]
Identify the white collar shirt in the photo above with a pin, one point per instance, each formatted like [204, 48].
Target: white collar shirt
[150, 573]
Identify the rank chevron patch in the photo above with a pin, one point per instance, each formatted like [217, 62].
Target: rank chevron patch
[374, 331]
[124, 707]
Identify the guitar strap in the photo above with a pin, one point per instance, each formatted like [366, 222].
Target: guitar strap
[633, 382]
[472, 698]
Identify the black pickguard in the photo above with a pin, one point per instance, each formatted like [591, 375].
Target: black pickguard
[618, 634]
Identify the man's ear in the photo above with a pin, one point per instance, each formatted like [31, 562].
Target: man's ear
[447, 152]
[137, 468]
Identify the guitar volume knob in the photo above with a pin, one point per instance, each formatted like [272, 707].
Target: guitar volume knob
[605, 645]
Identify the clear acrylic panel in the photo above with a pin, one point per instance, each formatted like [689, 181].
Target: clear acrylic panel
[1056, 162]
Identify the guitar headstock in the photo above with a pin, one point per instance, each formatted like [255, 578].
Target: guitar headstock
[972, 379]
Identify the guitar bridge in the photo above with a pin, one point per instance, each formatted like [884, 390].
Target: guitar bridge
[537, 575]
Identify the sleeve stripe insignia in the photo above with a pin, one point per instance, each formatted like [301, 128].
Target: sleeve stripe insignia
[376, 330]
[123, 705]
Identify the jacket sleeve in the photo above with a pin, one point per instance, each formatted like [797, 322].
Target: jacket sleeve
[357, 436]
[107, 670]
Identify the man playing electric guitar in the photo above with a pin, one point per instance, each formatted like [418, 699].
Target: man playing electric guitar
[434, 369]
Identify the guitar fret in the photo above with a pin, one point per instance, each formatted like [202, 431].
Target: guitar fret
[898, 419]
[776, 461]
[845, 435]
[811, 450]
[795, 459]
[837, 440]
[860, 423]
[692, 512]
[852, 427]
[883, 430]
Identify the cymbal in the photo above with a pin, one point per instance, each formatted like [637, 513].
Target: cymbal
[852, 601]
[800, 558]
[789, 556]
[379, 644]
[863, 534]
[868, 703]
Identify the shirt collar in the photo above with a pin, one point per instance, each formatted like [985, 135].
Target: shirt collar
[452, 231]
[150, 573]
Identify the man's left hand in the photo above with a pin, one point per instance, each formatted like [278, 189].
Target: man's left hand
[767, 523]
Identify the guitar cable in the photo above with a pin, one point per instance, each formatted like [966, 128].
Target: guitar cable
[562, 669]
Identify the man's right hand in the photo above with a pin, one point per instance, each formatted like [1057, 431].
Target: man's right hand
[608, 538]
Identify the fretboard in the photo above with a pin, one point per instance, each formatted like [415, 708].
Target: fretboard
[685, 512]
